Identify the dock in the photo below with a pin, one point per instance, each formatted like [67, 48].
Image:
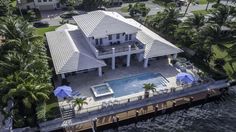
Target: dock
[132, 110]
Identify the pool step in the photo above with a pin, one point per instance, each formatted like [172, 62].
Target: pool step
[67, 113]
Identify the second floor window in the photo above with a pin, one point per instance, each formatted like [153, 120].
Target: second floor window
[110, 37]
[96, 41]
[101, 41]
[39, 0]
[44, 0]
[130, 36]
[50, 0]
[126, 37]
[117, 36]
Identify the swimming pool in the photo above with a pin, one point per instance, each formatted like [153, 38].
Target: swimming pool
[134, 84]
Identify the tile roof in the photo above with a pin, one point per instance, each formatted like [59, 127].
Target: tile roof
[155, 45]
[99, 24]
[70, 52]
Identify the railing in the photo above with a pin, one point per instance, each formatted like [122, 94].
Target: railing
[123, 47]
[126, 101]
[86, 114]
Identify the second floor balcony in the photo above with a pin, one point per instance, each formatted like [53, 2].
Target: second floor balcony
[120, 49]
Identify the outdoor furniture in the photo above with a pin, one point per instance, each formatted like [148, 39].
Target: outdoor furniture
[63, 91]
[104, 104]
[185, 78]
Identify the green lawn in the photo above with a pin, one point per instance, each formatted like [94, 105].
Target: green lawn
[201, 2]
[51, 110]
[125, 9]
[42, 31]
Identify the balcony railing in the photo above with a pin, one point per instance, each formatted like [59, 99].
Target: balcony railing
[122, 47]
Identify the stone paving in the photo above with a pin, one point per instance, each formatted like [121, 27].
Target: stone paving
[82, 82]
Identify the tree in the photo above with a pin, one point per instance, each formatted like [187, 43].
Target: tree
[15, 28]
[166, 21]
[189, 2]
[138, 8]
[5, 6]
[24, 71]
[223, 14]
[80, 102]
[195, 21]
[149, 87]
[92, 4]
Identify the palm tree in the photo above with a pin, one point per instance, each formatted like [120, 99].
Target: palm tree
[167, 20]
[189, 2]
[223, 14]
[195, 21]
[26, 91]
[148, 87]
[24, 72]
[80, 102]
[16, 28]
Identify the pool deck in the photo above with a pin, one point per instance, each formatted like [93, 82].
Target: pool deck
[83, 81]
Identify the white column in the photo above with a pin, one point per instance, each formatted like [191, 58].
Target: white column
[113, 59]
[175, 56]
[146, 63]
[63, 76]
[99, 71]
[128, 57]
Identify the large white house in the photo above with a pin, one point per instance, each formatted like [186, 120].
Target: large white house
[99, 38]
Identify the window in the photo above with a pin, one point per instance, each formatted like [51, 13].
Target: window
[130, 36]
[44, 0]
[117, 36]
[39, 1]
[110, 37]
[126, 37]
[96, 41]
[100, 41]
[50, 0]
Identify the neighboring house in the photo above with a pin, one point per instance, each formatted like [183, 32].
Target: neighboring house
[99, 39]
[39, 4]
[114, 2]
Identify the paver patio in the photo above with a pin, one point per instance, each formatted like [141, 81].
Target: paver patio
[82, 82]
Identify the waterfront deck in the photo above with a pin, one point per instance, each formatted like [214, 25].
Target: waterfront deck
[164, 101]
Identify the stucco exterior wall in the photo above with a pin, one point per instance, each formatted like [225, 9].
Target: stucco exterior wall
[106, 41]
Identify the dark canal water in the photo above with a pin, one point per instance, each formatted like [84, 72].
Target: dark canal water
[217, 116]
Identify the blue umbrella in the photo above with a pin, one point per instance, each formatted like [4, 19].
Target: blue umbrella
[63, 91]
[185, 78]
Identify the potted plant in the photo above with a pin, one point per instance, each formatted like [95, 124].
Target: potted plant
[80, 102]
[148, 87]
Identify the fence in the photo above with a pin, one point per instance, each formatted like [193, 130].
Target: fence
[126, 101]
[86, 114]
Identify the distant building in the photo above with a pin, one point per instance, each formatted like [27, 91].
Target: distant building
[114, 2]
[39, 4]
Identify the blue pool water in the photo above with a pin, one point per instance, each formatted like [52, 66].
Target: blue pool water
[134, 84]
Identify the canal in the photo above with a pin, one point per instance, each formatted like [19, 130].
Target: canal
[217, 116]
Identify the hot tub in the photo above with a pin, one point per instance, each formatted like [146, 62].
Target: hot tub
[102, 90]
